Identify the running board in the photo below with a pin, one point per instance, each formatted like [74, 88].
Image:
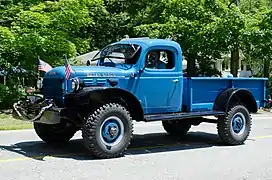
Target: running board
[179, 116]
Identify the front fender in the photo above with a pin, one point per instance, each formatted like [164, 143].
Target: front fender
[96, 96]
[81, 97]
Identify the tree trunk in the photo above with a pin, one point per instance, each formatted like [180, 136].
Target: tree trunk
[234, 61]
[191, 65]
[266, 73]
[266, 68]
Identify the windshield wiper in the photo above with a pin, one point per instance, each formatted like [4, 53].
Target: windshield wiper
[108, 57]
[95, 56]
[93, 59]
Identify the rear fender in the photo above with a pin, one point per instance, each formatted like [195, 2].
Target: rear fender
[233, 96]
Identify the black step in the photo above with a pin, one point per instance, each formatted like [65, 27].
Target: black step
[184, 115]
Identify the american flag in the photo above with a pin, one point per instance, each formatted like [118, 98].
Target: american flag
[43, 66]
[68, 69]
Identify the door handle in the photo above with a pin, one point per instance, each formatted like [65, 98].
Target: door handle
[175, 80]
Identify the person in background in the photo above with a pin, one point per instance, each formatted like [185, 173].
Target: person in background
[242, 72]
[245, 72]
[249, 71]
[230, 75]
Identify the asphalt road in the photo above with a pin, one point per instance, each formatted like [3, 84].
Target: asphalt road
[152, 155]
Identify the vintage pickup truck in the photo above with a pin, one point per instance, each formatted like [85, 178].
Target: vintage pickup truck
[138, 79]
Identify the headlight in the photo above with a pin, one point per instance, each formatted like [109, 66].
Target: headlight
[75, 84]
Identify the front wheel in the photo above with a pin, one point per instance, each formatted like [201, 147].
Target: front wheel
[55, 133]
[235, 127]
[108, 131]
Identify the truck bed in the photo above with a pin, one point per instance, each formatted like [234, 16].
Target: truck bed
[199, 93]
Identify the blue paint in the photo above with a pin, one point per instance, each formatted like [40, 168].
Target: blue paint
[158, 90]
[201, 92]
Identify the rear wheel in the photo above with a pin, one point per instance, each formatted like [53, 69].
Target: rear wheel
[55, 133]
[235, 127]
[176, 128]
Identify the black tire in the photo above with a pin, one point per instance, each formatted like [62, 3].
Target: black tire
[238, 134]
[176, 128]
[96, 143]
[55, 133]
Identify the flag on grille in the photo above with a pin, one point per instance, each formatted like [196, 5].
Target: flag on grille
[68, 69]
[43, 66]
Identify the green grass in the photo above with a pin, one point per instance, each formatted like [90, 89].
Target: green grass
[7, 122]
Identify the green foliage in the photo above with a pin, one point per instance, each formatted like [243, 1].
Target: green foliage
[197, 26]
[9, 94]
[51, 29]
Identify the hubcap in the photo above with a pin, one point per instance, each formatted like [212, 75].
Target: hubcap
[238, 123]
[112, 131]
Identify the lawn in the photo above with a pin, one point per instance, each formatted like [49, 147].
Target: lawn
[7, 122]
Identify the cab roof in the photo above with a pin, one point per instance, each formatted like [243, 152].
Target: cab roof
[151, 42]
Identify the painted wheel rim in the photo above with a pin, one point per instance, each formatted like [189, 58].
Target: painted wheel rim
[238, 123]
[111, 131]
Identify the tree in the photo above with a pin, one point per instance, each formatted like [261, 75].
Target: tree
[197, 26]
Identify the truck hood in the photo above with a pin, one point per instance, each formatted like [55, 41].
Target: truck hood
[89, 71]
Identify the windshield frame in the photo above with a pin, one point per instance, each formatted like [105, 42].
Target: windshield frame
[100, 57]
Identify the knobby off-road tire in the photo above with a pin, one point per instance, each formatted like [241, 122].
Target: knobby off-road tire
[176, 128]
[235, 127]
[56, 133]
[108, 131]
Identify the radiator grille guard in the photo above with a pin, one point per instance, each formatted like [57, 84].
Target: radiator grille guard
[52, 88]
[31, 109]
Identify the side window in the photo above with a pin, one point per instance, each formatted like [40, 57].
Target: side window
[160, 59]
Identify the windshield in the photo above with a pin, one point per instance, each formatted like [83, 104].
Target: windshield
[118, 54]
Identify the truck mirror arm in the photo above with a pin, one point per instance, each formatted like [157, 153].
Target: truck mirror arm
[141, 70]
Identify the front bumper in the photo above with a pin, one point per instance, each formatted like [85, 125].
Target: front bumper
[32, 108]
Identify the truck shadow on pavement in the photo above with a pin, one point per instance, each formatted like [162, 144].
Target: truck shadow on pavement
[141, 144]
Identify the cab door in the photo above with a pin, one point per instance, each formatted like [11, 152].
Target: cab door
[160, 82]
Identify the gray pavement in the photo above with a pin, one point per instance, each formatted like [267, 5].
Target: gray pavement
[152, 155]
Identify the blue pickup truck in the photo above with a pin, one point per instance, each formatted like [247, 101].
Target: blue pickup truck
[138, 79]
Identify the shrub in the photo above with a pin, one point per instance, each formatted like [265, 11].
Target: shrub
[10, 94]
